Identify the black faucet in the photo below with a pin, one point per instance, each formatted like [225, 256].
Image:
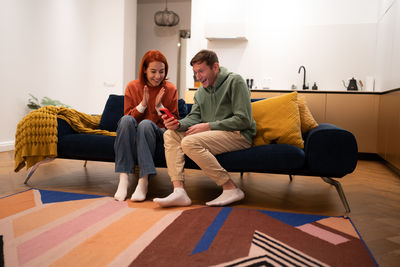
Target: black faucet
[304, 77]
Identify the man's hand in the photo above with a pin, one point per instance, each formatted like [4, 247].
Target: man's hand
[198, 128]
[159, 97]
[145, 99]
[171, 123]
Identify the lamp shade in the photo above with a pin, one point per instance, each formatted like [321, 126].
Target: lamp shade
[166, 18]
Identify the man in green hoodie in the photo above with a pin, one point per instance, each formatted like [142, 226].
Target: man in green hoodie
[220, 121]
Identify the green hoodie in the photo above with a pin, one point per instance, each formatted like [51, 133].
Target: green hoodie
[226, 106]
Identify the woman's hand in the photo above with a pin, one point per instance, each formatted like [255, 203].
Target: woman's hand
[145, 99]
[159, 97]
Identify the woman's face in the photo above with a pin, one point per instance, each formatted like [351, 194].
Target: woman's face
[155, 73]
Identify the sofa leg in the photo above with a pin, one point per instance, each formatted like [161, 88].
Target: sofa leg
[34, 167]
[241, 175]
[84, 164]
[339, 189]
[290, 177]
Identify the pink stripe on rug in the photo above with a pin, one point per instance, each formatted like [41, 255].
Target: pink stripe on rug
[323, 234]
[47, 240]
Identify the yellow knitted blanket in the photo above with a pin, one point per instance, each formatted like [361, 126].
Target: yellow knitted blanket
[36, 136]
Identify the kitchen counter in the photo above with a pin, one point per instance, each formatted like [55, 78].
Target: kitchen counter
[314, 91]
[309, 91]
[371, 116]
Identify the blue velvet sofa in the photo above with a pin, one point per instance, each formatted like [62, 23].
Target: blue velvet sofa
[329, 151]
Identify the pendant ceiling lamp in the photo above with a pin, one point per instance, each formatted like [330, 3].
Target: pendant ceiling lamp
[166, 17]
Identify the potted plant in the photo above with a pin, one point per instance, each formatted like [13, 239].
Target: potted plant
[33, 102]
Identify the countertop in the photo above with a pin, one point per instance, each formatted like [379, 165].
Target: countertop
[320, 91]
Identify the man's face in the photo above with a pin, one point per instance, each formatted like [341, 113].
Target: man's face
[205, 74]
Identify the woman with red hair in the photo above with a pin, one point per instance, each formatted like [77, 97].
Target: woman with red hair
[141, 128]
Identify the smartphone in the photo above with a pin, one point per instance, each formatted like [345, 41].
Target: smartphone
[165, 111]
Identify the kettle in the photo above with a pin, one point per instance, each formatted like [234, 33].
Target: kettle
[352, 84]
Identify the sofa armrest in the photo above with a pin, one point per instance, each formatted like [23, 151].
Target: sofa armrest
[330, 151]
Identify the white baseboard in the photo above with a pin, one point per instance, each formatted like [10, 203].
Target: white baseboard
[7, 146]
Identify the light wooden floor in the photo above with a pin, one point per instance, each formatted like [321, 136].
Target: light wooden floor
[373, 193]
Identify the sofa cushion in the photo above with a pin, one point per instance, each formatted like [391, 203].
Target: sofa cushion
[182, 108]
[86, 147]
[306, 118]
[264, 158]
[113, 111]
[278, 121]
[276, 158]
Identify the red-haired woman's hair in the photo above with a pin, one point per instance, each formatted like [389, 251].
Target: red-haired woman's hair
[150, 56]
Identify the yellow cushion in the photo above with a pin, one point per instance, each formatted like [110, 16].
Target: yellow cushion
[306, 118]
[278, 120]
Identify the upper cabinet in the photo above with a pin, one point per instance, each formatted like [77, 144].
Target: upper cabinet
[225, 31]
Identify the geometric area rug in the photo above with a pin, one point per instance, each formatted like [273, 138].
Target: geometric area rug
[52, 228]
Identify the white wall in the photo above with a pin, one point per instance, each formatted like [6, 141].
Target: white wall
[165, 39]
[74, 51]
[333, 39]
[111, 52]
[129, 56]
[388, 46]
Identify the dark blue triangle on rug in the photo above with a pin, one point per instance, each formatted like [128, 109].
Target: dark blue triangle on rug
[293, 219]
[48, 196]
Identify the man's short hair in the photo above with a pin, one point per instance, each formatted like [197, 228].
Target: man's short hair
[208, 56]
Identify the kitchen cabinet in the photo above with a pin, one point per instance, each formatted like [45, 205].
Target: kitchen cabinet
[264, 94]
[315, 102]
[189, 94]
[389, 128]
[357, 113]
[373, 117]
